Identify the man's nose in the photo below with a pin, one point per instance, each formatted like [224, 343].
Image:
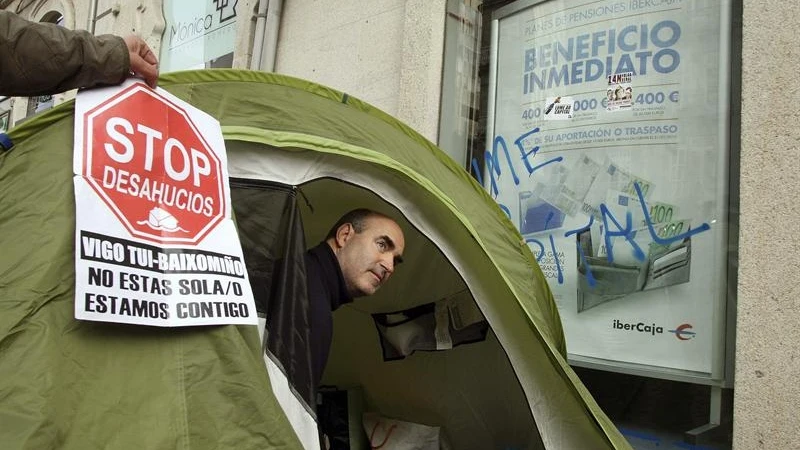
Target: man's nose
[388, 265]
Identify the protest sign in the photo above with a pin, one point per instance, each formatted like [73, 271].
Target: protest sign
[154, 240]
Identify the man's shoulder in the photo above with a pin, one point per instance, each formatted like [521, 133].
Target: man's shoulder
[320, 251]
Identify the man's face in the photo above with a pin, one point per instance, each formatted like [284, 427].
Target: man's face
[368, 258]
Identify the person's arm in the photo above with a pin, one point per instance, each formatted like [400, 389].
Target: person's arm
[39, 58]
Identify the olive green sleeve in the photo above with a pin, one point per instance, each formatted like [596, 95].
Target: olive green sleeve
[43, 58]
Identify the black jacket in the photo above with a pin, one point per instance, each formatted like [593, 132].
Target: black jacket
[326, 293]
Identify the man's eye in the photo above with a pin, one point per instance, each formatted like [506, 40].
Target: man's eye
[382, 245]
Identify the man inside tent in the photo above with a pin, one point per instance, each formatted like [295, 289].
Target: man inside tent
[356, 257]
[359, 254]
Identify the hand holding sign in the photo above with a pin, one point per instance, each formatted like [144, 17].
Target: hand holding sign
[143, 62]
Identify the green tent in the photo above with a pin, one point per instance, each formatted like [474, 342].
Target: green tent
[300, 155]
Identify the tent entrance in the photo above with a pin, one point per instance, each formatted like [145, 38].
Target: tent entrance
[470, 390]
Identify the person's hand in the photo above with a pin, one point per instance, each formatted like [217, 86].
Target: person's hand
[143, 62]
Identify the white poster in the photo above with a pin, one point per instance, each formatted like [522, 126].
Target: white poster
[196, 33]
[623, 198]
[154, 240]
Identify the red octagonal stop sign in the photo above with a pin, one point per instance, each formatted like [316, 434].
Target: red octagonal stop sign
[152, 166]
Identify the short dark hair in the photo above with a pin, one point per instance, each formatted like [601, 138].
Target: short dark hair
[357, 217]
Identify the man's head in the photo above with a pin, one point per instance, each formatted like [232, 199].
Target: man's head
[368, 246]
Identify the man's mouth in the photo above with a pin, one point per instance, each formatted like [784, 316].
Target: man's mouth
[378, 278]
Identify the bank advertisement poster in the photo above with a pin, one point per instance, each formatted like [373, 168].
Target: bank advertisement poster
[196, 33]
[608, 152]
[155, 243]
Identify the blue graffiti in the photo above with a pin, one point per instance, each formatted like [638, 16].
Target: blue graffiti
[555, 257]
[476, 171]
[493, 165]
[532, 153]
[554, 160]
[621, 231]
[541, 247]
[589, 276]
[505, 210]
[649, 222]
[612, 226]
[525, 154]
[625, 232]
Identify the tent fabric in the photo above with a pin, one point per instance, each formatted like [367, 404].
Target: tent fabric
[73, 384]
[273, 243]
[271, 234]
[471, 391]
[544, 386]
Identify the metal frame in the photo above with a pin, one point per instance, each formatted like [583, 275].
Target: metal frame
[721, 366]
[724, 319]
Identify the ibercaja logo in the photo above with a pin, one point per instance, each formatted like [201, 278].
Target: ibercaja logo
[683, 332]
[150, 164]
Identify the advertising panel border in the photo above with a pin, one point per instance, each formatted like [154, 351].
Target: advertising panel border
[722, 321]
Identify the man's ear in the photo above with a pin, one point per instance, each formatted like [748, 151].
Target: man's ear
[343, 234]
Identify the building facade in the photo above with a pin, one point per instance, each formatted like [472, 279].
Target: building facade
[419, 61]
